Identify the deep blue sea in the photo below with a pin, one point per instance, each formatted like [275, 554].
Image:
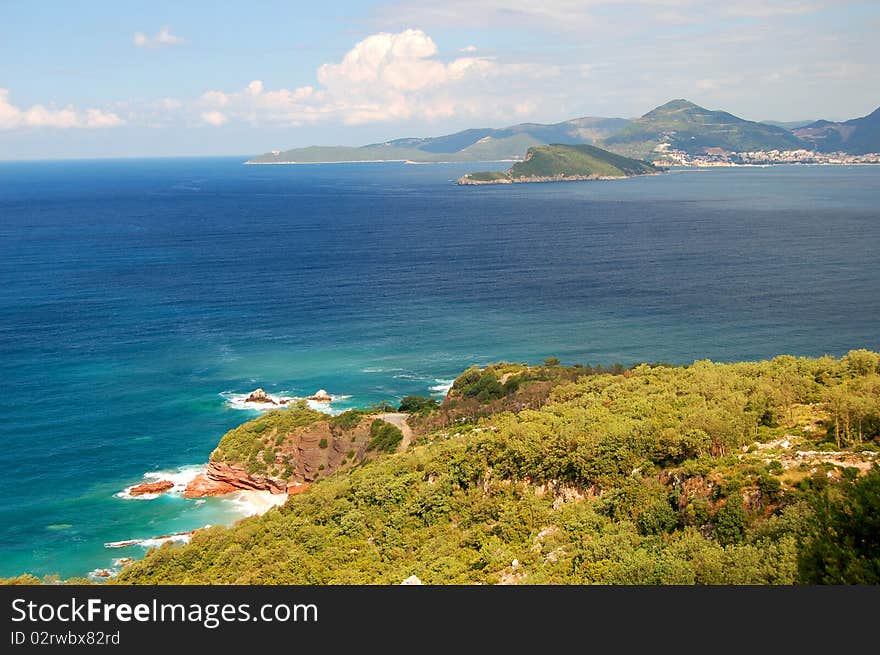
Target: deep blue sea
[138, 296]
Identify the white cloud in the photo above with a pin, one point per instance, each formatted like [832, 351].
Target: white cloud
[387, 76]
[215, 98]
[214, 118]
[163, 37]
[12, 117]
[468, 48]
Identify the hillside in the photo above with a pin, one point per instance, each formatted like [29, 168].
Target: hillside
[481, 144]
[692, 129]
[559, 162]
[708, 474]
[857, 136]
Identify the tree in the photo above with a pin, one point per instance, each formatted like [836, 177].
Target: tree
[417, 404]
[843, 546]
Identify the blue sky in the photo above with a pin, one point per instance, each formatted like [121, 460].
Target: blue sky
[97, 78]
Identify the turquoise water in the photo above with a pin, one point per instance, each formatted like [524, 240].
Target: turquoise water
[137, 297]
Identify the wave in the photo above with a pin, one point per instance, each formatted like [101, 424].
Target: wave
[442, 387]
[153, 542]
[239, 401]
[179, 477]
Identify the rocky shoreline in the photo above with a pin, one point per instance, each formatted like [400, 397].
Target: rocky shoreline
[466, 180]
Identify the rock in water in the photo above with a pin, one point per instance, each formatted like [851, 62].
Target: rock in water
[259, 396]
[321, 396]
[151, 488]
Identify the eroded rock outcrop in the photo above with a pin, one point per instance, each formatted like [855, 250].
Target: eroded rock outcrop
[151, 488]
[223, 478]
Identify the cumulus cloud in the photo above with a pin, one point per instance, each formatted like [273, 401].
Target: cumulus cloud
[385, 76]
[214, 118]
[162, 38]
[12, 117]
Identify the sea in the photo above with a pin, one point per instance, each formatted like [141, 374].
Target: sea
[141, 300]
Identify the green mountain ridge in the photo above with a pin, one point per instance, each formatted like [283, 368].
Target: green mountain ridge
[693, 129]
[480, 144]
[559, 162]
[857, 136]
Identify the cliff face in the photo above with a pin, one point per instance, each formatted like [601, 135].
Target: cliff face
[223, 478]
[283, 450]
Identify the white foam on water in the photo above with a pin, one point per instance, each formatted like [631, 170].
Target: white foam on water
[253, 503]
[442, 387]
[180, 477]
[239, 401]
[96, 574]
[153, 542]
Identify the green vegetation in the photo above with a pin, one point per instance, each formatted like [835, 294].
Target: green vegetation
[705, 474]
[247, 443]
[347, 420]
[691, 128]
[418, 405]
[489, 176]
[384, 437]
[562, 162]
[577, 160]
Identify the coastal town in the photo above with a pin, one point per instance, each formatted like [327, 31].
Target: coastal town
[718, 157]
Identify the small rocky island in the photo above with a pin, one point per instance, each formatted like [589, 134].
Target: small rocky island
[565, 163]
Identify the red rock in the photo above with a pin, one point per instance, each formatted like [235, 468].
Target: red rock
[202, 485]
[222, 478]
[297, 488]
[151, 488]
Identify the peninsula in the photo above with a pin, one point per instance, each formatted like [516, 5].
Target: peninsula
[550, 474]
[564, 163]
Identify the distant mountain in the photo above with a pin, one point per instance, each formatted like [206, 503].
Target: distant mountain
[693, 129]
[562, 162]
[789, 125]
[857, 136]
[482, 144]
[679, 124]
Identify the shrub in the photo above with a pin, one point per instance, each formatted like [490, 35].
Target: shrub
[322, 443]
[417, 404]
[729, 522]
[347, 420]
[384, 436]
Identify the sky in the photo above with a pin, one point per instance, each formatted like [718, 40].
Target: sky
[137, 79]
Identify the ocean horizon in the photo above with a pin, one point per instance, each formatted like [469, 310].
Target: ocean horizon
[143, 298]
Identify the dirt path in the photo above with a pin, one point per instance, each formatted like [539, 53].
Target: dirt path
[398, 419]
